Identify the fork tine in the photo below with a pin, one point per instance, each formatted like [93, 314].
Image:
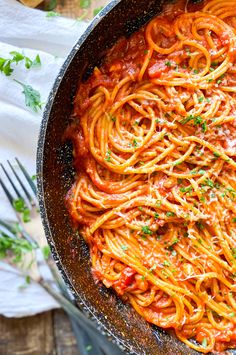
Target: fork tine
[28, 178]
[7, 192]
[11, 182]
[20, 182]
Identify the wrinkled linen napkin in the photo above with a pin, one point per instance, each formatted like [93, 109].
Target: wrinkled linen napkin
[29, 31]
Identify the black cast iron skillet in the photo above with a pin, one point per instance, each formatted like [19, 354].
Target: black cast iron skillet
[55, 176]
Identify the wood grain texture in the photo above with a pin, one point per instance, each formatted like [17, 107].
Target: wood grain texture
[65, 342]
[48, 333]
[27, 336]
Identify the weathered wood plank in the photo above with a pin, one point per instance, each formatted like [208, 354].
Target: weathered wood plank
[64, 339]
[27, 336]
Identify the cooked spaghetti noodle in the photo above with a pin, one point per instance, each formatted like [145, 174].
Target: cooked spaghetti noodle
[155, 151]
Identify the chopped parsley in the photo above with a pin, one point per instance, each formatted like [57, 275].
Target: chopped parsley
[108, 156]
[32, 96]
[156, 215]
[167, 263]
[20, 206]
[200, 99]
[146, 230]
[97, 10]
[197, 120]
[51, 14]
[84, 4]
[6, 63]
[186, 189]
[168, 63]
[217, 155]
[170, 214]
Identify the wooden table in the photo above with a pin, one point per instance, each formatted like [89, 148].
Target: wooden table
[48, 333]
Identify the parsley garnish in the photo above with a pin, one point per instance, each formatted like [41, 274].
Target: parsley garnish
[156, 215]
[108, 156]
[200, 99]
[46, 251]
[5, 63]
[84, 4]
[21, 207]
[209, 183]
[217, 155]
[234, 220]
[146, 230]
[168, 63]
[167, 263]
[15, 246]
[52, 14]
[200, 226]
[186, 189]
[32, 96]
[97, 10]
[170, 214]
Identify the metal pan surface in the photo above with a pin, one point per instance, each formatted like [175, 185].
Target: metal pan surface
[55, 176]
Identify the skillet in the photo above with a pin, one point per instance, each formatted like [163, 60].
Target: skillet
[55, 176]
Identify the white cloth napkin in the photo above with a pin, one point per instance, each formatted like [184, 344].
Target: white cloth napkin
[30, 31]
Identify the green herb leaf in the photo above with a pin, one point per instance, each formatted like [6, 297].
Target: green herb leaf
[36, 63]
[19, 205]
[168, 63]
[84, 4]
[52, 14]
[146, 230]
[170, 214]
[167, 263]
[97, 10]
[50, 5]
[17, 57]
[5, 66]
[32, 96]
[46, 252]
[16, 247]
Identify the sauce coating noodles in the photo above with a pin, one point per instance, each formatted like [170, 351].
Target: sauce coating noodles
[154, 140]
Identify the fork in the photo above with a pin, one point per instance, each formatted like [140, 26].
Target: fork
[25, 206]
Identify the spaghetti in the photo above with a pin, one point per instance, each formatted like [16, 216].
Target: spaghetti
[155, 151]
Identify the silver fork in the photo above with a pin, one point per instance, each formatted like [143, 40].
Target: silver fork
[24, 202]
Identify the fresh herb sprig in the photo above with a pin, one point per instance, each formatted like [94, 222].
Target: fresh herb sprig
[14, 247]
[197, 121]
[21, 207]
[32, 96]
[51, 14]
[16, 57]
